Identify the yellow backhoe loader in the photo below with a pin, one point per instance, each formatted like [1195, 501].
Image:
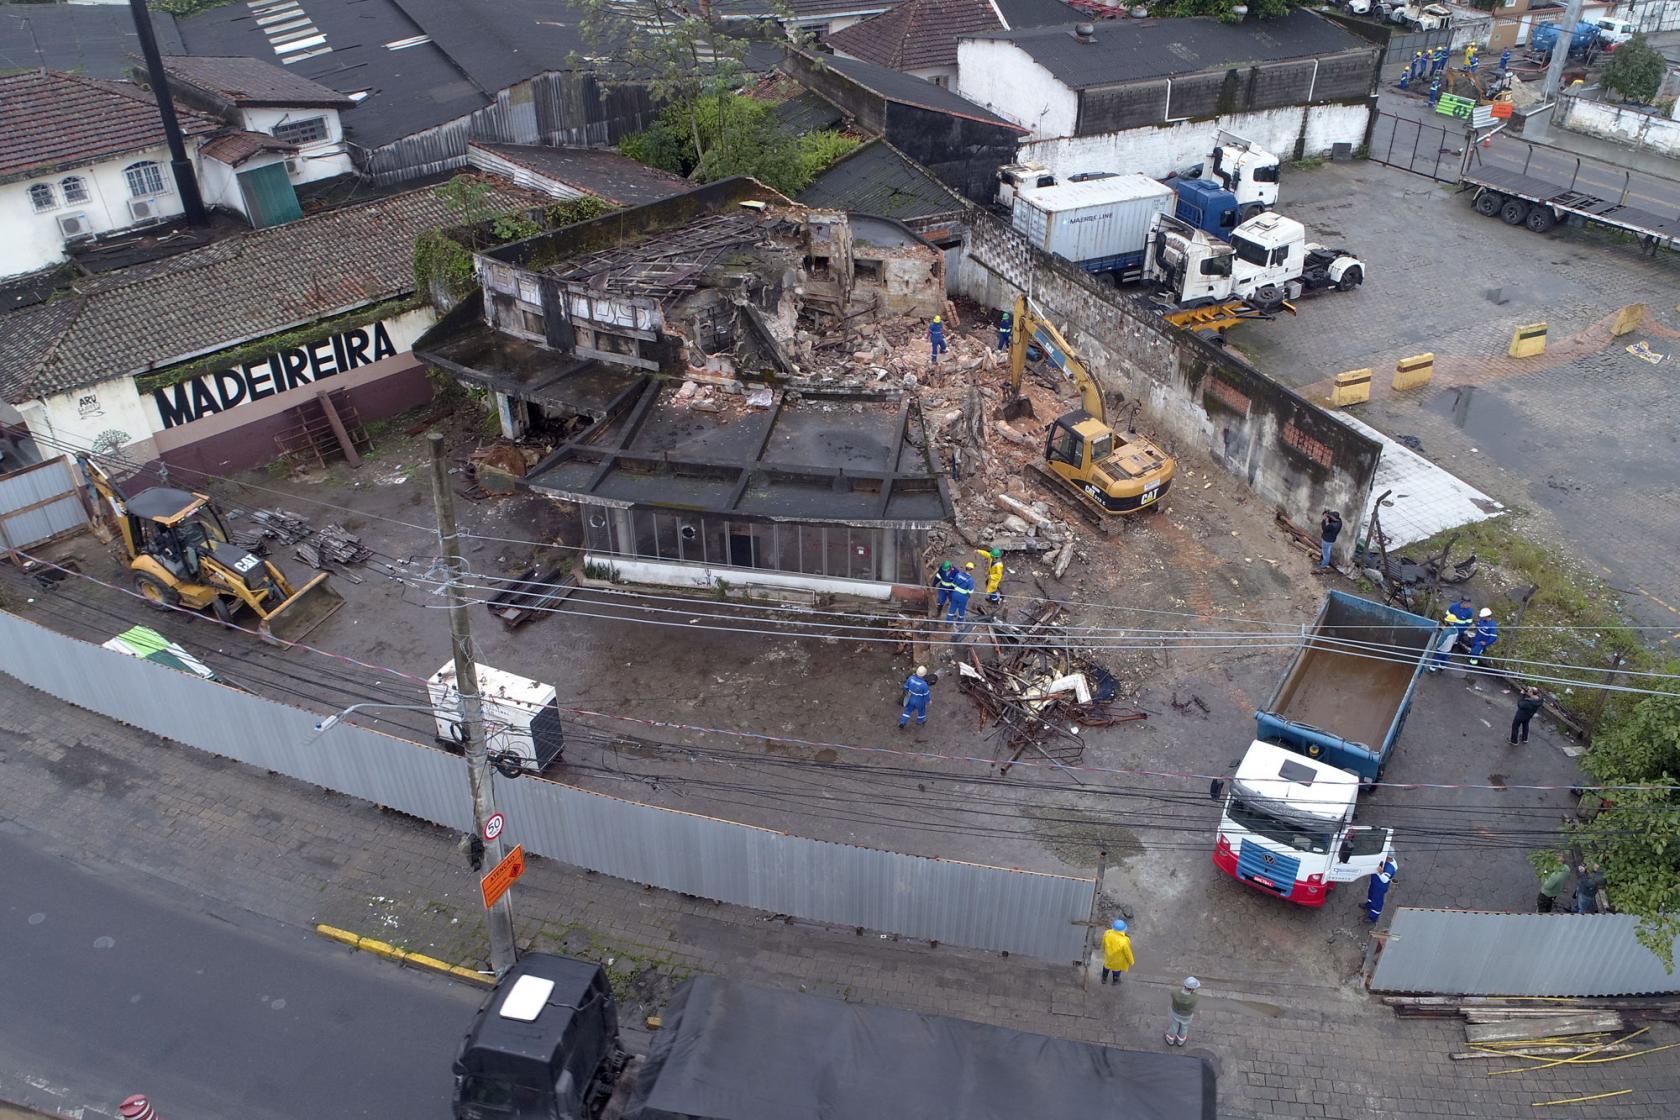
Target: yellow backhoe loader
[179, 556]
[1109, 473]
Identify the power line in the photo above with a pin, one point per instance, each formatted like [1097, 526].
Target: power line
[73, 448]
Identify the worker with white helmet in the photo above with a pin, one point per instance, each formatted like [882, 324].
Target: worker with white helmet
[916, 693]
[1183, 1009]
[1487, 633]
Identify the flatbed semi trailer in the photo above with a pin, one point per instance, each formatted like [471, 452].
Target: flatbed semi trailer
[1522, 199]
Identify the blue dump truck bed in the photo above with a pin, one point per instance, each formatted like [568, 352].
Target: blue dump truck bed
[1345, 695]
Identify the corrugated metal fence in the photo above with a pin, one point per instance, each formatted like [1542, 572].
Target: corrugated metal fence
[962, 904]
[1469, 953]
[38, 504]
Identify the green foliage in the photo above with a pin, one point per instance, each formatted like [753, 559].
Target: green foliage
[1635, 71]
[445, 257]
[716, 135]
[818, 151]
[183, 8]
[1636, 837]
[1221, 9]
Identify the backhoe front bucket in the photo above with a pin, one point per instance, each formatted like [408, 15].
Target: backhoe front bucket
[309, 606]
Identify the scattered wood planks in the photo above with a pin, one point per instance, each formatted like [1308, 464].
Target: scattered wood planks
[1544, 1026]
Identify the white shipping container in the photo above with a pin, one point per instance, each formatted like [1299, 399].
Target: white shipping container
[1096, 219]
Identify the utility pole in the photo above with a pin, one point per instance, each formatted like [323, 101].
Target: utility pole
[1554, 70]
[192, 203]
[498, 919]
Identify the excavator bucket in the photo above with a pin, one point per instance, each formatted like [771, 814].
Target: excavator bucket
[309, 606]
[1016, 407]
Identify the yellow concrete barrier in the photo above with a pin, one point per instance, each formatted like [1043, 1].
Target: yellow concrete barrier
[402, 956]
[1409, 373]
[1528, 340]
[1352, 387]
[1628, 320]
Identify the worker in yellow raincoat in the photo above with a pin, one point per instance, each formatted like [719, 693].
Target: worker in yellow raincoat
[994, 573]
[1117, 952]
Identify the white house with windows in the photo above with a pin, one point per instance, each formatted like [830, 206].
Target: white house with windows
[263, 99]
[79, 157]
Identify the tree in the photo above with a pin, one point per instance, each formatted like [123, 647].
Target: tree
[1636, 837]
[1635, 71]
[1221, 9]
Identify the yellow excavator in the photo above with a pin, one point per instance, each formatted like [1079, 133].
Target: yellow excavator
[179, 555]
[1109, 473]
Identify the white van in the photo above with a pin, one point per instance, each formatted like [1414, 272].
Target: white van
[1614, 32]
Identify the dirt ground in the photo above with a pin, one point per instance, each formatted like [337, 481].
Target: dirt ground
[798, 733]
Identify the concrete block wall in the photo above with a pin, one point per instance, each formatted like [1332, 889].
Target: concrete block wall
[1194, 395]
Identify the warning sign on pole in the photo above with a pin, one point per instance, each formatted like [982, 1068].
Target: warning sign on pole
[502, 876]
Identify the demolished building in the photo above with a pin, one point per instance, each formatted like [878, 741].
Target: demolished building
[708, 365]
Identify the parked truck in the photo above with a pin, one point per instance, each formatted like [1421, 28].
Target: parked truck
[1266, 261]
[1346, 694]
[1287, 827]
[1583, 41]
[1101, 225]
[545, 1044]
[1246, 170]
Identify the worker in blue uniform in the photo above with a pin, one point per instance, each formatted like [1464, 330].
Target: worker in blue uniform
[1504, 60]
[943, 586]
[1438, 61]
[1006, 327]
[936, 337]
[1376, 894]
[1405, 78]
[1486, 633]
[1434, 91]
[963, 586]
[916, 693]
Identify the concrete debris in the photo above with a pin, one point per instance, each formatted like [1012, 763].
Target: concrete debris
[1059, 566]
[1024, 511]
[760, 398]
[1014, 524]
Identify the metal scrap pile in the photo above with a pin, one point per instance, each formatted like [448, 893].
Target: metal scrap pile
[331, 544]
[1040, 691]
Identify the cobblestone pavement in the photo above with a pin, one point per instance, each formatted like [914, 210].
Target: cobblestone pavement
[1585, 435]
[97, 791]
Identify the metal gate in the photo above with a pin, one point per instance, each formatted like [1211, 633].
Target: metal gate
[1466, 952]
[39, 504]
[1435, 151]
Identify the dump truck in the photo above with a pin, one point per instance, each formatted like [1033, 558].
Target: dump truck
[545, 1045]
[1349, 687]
[1287, 826]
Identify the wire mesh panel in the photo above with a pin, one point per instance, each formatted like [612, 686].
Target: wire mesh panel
[959, 903]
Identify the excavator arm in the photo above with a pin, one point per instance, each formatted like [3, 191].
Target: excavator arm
[1041, 331]
[115, 499]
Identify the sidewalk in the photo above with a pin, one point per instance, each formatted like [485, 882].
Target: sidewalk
[96, 791]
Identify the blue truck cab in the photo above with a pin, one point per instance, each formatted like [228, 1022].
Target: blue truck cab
[1346, 694]
[1207, 206]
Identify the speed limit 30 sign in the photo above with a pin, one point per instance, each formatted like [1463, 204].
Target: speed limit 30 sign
[493, 826]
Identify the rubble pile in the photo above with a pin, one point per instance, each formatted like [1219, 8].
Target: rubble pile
[1038, 692]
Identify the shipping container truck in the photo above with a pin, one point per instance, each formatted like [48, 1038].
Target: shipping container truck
[545, 1045]
[1101, 225]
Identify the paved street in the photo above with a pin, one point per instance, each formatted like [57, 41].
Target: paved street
[116, 983]
[1585, 434]
[87, 789]
[1407, 133]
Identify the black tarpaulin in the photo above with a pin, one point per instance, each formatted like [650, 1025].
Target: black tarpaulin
[735, 1052]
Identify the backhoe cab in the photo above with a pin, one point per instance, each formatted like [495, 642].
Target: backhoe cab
[179, 555]
[1109, 472]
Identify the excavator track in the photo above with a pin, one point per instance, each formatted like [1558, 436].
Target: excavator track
[1108, 524]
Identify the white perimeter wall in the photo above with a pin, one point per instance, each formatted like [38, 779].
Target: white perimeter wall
[1004, 79]
[1158, 150]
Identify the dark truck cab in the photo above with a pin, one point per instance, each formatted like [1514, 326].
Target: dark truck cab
[544, 1045]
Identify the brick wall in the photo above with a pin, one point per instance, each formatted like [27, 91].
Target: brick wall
[1194, 395]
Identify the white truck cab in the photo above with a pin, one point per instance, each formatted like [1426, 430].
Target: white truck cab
[1613, 32]
[1287, 827]
[1248, 171]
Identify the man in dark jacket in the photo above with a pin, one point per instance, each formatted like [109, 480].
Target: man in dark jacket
[1328, 530]
[1528, 703]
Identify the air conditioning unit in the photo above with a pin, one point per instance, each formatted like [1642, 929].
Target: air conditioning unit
[143, 209]
[294, 167]
[521, 716]
[74, 226]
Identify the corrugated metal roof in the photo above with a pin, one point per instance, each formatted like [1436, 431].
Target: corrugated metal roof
[1472, 953]
[877, 180]
[808, 112]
